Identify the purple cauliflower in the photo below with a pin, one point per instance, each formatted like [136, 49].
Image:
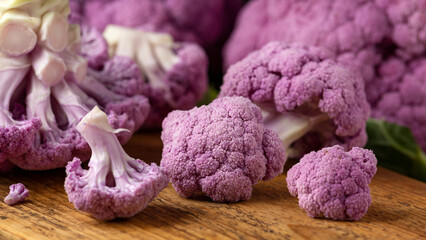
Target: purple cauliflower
[221, 149]
[42, 95]
[115, 185]
[307, 98]
[408, 28]
[363, 35]
[203, 22]
[17, 194]
[332, 183]
[349, 29]
[175, 74]
[402, 100]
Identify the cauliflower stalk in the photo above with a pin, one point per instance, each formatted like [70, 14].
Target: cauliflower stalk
[116, 185]
[40, 28]
[221, 149]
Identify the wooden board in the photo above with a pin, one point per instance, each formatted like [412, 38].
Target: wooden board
[398, 211]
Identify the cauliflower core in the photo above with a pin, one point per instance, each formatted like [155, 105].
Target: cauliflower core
[332, 183]
[116, 185]
[221, 149]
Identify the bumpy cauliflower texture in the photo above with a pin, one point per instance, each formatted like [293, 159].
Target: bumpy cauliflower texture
[332, 183]
[221, 149]
[402, 88]
[310, 100]
[204, 22]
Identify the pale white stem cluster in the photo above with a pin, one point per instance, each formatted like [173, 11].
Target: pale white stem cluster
[153, 52]
[39, 31]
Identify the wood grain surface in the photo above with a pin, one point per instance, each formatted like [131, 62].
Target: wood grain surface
[398, 211]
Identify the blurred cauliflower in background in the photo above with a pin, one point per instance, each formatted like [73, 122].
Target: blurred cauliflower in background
[207, 23]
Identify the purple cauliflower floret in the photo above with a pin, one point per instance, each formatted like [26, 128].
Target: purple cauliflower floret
[17, 194]
[402, 87]
[203, 22]
[53, 147]
[221, 149]
[174, 74]
[307, 98]
[332, 183]
[115, 185]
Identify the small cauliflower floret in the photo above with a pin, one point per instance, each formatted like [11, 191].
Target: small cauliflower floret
[16, 136]
[221, 149]
[17, 194]
[308, 99]
[332, 183]
[175, 73]
[116, 185]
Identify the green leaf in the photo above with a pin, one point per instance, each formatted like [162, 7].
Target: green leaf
[396, 148]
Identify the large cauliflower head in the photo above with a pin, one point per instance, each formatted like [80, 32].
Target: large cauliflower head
[221, 149]
[332, 183]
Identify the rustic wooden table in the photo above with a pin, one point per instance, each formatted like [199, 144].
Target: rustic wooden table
[398, 211]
